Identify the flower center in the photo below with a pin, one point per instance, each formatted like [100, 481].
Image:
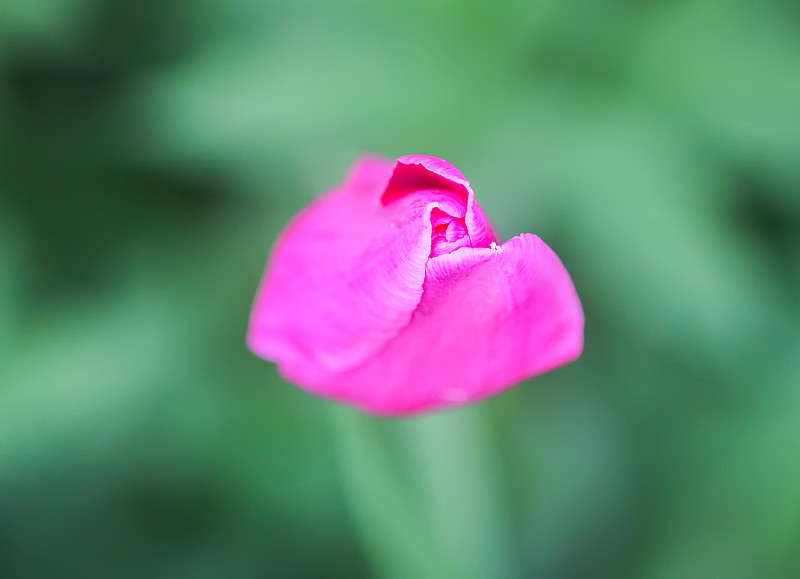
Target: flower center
[449, 233]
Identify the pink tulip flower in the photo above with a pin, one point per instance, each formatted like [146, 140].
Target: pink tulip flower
[391, 293]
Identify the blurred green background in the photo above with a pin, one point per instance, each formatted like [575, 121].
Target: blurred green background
[151, 151]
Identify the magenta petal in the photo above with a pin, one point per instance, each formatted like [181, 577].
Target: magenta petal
[414, 173]
[488, 318]
[344, 278]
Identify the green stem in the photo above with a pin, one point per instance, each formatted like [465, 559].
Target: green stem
[439, 515]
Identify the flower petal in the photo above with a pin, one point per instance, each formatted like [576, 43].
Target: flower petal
[489, 318]
[415, 173]
[344, 277]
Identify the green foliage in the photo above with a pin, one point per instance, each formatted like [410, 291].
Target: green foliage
[151, 151]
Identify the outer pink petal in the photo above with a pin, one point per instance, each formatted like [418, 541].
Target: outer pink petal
[488, 319]
[344, 278]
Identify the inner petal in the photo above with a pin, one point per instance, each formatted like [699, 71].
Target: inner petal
[448, 234]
